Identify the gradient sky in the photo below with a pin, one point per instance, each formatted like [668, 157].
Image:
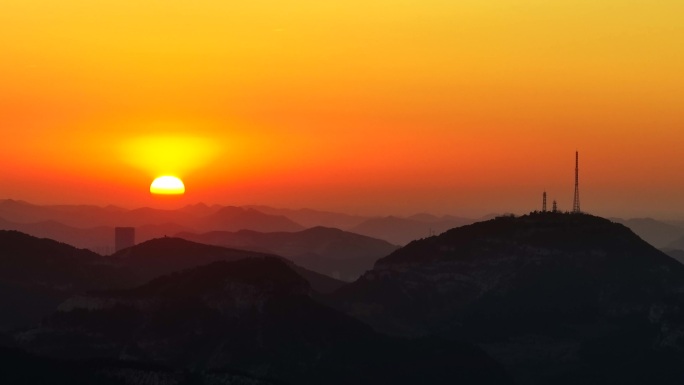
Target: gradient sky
[464, 107]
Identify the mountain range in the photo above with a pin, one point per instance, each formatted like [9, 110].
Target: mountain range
[401, 231]
[545, 298]
[329, 251]
[162, 256]
[91, 226]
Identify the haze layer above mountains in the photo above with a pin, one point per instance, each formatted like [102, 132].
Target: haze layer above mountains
[92, 226]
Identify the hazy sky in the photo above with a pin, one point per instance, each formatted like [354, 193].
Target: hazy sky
[375, 107]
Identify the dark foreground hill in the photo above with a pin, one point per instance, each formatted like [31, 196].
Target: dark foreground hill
[37, 274]
[558, 298]
[329, 251]
[253, 316]
[20, 367]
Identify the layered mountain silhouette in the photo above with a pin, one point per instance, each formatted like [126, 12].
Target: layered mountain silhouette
[161, 256]
[92, 227]
[558, 298]
[314, 218]
[199, 217]
[91, 238]
[98, 239]
[23, 212]
[657, 233]
[253, 316]
[329, 251]
[238, 218]
[400, 231]
[201, 209]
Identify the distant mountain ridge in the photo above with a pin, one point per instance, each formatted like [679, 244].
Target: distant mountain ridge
[400, 231]
[676, 244]
[92, 226]
[86, 226]
[166, 255]
[314, 218]
[328, 251]
[657, 233]
[98, 239]
[200, 216]
[237, 218]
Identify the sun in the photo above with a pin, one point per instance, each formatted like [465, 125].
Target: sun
[167, 185]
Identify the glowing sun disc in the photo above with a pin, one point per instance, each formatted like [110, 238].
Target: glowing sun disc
[167, 185]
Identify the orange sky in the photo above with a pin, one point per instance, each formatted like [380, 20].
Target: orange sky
[462, 107]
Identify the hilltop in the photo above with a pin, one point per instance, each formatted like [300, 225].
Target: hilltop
[548, 294]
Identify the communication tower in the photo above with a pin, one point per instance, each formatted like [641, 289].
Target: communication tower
[576, 201]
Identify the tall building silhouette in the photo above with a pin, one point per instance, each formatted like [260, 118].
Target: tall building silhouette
[576, 201]
[544, 202]
[123, 237]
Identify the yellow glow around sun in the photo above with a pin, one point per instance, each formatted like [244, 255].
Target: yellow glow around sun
[168, 151]
[167, 185]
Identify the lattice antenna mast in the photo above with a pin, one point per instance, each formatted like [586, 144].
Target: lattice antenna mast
[576, 201]
[544, 202]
